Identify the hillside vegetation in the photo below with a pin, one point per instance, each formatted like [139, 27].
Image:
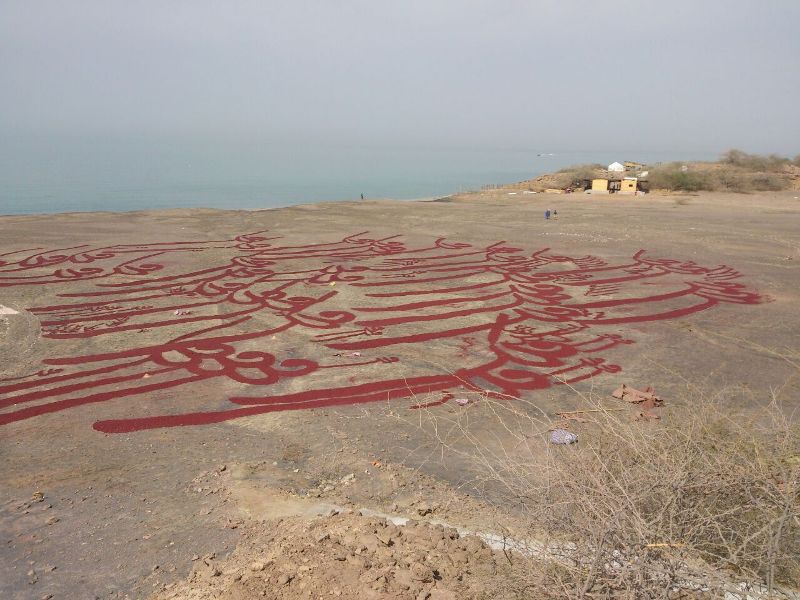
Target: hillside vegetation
[736, 171]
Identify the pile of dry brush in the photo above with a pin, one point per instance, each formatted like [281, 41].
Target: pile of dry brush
[702, 503]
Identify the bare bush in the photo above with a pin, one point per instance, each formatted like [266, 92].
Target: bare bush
[723, 177]
[576, 174]
[754, 162]
[692, 507]
[672, 177]
[771, 182]
[588, 169]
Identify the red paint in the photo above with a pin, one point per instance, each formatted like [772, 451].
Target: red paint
[503, 320]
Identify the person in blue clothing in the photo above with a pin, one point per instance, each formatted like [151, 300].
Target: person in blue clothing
[547, 214]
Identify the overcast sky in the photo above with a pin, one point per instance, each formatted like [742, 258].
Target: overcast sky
[682, 75]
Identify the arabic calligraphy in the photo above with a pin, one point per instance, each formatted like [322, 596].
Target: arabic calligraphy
[360, 319]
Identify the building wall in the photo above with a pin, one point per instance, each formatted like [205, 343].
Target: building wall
[599, 185]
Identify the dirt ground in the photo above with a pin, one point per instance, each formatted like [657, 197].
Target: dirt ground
[172, 391]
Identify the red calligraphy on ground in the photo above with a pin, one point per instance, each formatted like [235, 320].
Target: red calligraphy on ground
[357, 320]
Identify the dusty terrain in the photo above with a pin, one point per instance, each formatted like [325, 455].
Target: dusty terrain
[141, 447]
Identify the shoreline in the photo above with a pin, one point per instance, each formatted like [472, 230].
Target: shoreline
[214, 209]
[483, 196]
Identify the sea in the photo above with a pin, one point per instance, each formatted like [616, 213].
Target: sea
[56, 174]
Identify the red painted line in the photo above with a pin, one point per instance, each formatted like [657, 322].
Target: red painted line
[439, 290]
[438, 317]
[58, 379]
[430, 303]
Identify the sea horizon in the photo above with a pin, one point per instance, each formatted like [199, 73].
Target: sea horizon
[50, 175]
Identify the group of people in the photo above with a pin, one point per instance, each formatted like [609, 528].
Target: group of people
[548, 214]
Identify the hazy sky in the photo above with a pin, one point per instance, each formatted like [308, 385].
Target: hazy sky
[679, 75]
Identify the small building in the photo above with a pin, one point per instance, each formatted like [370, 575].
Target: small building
[628, 185]
[632, 166]
[616, 167]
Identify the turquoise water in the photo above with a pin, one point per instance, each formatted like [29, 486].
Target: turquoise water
[46, 175]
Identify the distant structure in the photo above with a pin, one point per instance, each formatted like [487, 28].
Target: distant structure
[628, 178]
[599, 186]
[625, 185]
[628, 185]
[617, 182]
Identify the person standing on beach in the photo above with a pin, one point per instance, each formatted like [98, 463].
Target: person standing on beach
[362, 196]
[547, 214]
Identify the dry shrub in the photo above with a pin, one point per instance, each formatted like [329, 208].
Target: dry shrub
[724, 177]
[574, 176]
[754, 162]
[737, 180]
[701, 503]
[671, 177]
[770, 182]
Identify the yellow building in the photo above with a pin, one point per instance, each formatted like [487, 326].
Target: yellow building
[599, 185]
[628, 185]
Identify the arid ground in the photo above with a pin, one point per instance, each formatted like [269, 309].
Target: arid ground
[170, 379]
